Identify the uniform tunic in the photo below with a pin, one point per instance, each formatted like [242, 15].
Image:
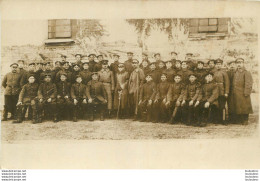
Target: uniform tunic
[121, 85]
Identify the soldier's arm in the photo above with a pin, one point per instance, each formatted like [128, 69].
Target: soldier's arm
[157, 95]
[57, 77]
[40, 96]
[215, 94]
[196, 93]
[248, 83]
[141, 93]
[72, 92]
[4, 81]
[112, 80]
[54, 93]
[183, 92]
[88, 91]
[85, 92]
[169, 94]
[154, 92]
[104, 91]
[226, 82]
[21, 95]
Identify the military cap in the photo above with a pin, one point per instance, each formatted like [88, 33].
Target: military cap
[145, 54]
[31, 63]
[177, 61]
[189, 54]
[200, 61]
[135, 61]
[57, 62]
[168, 61]
[192, 73]
[63, 73]
[219, 61]
[212, 60]
[121, 65]
[239, 60]
[99, 55]
[75, 64]
[85, 63]
[156, 54]
[65, 62]
[184, 61]
[164, 74]
[47, 75]
[20, 61]
[179, 75]
[131, 53]
[116, 55]
[14, 64]
[64, 56]
[148, 75]
[92, 54]
[174, 53]
[78, 54]
[94, 73]
[104, 62]
[209, 73]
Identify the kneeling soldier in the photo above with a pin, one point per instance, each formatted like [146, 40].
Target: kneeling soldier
[47, 94]
[78, 95]
[147, 95]
[27, 98]
[206, 104]
[161, 109]
[175, 97]
[97, 97]
[64, 104]
[189, 99]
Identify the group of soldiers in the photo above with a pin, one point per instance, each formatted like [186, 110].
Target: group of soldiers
[174, 91]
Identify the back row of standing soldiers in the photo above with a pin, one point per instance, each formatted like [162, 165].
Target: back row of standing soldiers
[173, 91]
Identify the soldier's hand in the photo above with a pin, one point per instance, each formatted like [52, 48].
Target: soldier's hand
[105, 101]
[156, 100]
[75, 101]
[167, 103]
[58, 96]
[140, 102]
[226, 95]
[90, 100]
[197, 103]
[49, 100]
[191, 103]
[41, 100]
[178, 103]
[19, 103]
[207, 104]
[84, 101]
[183, 102]
[66, 97]
[164, 100]
[150, 102]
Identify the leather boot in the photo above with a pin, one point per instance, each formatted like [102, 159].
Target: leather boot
[19, 120]
[75, 119]
[91, 118]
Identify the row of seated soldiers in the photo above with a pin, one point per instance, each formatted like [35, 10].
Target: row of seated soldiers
[125, 91]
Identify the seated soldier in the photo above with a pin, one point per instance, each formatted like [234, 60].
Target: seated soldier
[47, 94]
[207, 101]
[146, 97]
[79, 98]
[64, 104]
[27, 98]
[175, 97]
[97, 97]
[189, 99]
[161, 109]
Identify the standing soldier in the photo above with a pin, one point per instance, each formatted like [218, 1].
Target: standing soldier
[177, 66]
[145, 67]
[200, 72]
[57, 67]
[47, 71]
[184, 72]
[129, 62]
[121, 90]
[92, 63]
[107, 78]
[161, 109]
[222, 81]
[211, 65]
[175, 97]
[145, 58]
[241, 89]
[189, 99]
[75, 73]
[97, 97]
[21, 70]
[63, 59]
[66, 70]
[114, 65]
[169, 71]
[28, 98]
[98, 65]
[78, 58]
[190, 61]
[207, 101]
[11, 83]
[146, 97]
[31, 71]
[154, 73]
[135, 81]
[231, 72]
[64, 104]
[79, 98]
[161, 67]
[173, 57]
[47, 94]
[157, 57]
[85, 73]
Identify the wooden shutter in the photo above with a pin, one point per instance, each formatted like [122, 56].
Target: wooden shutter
[60, 28]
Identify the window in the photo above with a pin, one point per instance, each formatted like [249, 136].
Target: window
[208, 25]
[59, 28]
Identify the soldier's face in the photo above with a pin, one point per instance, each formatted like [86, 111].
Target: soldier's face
[116, 58]
[135, 64]
[145, 64]
[148, 78]
[66, 66]
[20, 64]
[78, 58]
[100, 58]
[240, 64]
[161, 65]
[57, 64]
[130, 56]
[104, 66]
[76, 68]
[218, 65]
[14, 68]
[157, 57]
[177, 79]
[144, 57]
[184, 65]
[163, 78]
[121, 69]
[152, 67]
[232, 65]
[63, 78]
[48, 66]
[91, 58]
[178, 65]
[200, 66]
[211, 64]
[209, 78]
[188, 57]
[47, 79]
[192, 78]
[31, 80]
[63, 58]
[174, 56]
[85, 66]
[79, 80]
[168, 64]
[94, 77]
[31, 67]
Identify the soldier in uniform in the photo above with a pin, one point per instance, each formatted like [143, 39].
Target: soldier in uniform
[78, 58]
[174, 98]
[146, 98]
[145, 67]
[161, 67]
[121, 90]
[47, 71]
[241, 90]
[92, 63]
[98, 65]
[169, 71]
[145, 58]
[47, 94]
[85, 73]
[114, 65]
[136, 79]
[129, 62]
[161, 109]
[189, 99]
[28, 98]
[222, 80]
[154, 72]
[63, 59]
[211, 65]
[207, 101]
[57, 67]
[75, 73]
[106, 76]
[177, 66]
[79, 98]
[66, 70]
[157, 57]
[200, 72]
[11, 83]
[173, 57]
[31, 71]
[21, 69]
[190, 61]
[184, 72]
[97, 97]
[64, 104]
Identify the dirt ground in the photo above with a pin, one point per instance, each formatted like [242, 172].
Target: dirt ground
[121, 130]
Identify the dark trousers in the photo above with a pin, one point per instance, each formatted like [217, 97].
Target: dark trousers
[97, 106]
[221, 106]
[22, 108]
[146, 111]
[64, 107]
[205, 115]
[10, 104]
[175, 111]
[80, 109]
[188, 113]
[48, 110]
[132, 103]
[161, 111]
